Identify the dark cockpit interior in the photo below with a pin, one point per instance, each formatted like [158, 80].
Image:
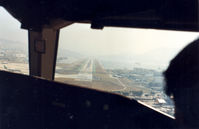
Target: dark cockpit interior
[37, 101]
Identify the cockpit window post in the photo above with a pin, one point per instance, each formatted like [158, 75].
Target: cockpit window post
[43, 52]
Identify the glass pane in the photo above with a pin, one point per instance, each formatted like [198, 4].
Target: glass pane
[126, 61]
[13, 45]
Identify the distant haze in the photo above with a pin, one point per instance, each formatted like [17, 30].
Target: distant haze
[148, 44]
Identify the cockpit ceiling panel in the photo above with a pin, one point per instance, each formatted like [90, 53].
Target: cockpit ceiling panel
[156, 14]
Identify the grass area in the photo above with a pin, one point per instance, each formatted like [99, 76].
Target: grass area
[102, 80]
[74, 82]
[72, 68]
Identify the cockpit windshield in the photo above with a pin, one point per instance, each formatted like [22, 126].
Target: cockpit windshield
[126, 61]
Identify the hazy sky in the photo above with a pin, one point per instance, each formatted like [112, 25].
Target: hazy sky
[122, 40]
[10, 28]
[118, 41]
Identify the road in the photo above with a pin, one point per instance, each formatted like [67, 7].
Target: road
[122, 84]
